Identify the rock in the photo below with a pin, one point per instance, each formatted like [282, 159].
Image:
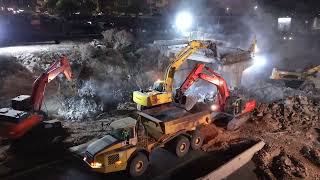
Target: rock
[268, 116]
[311, 154]
[285, 166]
[273, 163]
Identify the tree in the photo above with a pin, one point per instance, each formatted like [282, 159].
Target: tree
[88, 6]
[50, 5]
[137, 6]
[68, 7]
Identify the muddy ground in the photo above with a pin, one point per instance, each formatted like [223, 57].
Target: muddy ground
[290, 129]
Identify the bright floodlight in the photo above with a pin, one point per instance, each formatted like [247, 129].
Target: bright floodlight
[259, 61]
[286, 20]
[183, 21]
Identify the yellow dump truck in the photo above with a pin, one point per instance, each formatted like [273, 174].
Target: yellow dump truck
[131, 141]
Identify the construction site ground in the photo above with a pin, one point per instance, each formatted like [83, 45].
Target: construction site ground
[289, 125]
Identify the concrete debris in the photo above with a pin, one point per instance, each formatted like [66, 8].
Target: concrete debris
[128, 106]
[268, 92]
[79, 108]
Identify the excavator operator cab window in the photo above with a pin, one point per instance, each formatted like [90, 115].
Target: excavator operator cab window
[159, 86]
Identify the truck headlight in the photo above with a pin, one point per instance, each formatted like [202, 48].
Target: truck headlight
[118, 163]
[96, 165]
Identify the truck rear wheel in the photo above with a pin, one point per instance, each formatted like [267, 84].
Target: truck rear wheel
[196, 140]
[180, 146]
[138, 165]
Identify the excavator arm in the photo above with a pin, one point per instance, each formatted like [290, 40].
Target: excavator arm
[62, 66]
[314, 70]
[192, 47]
[224, 102]
[214, 78]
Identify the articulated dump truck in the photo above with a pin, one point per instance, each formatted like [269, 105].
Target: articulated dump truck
[131, 141]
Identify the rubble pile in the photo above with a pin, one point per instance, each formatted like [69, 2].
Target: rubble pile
[293, 111]
[268, 92]
[289, 127]
[277, 164]
[114, 67]
[106, 72]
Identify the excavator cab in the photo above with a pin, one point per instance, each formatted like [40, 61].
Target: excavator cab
[159, 86]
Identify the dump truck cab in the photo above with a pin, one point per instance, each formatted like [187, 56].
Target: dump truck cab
[112, 152]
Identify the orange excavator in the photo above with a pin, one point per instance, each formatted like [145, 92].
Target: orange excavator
[25, 111]
[232, 106]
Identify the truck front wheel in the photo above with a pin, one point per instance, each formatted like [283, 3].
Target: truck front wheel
[180, 146]
[138, 165]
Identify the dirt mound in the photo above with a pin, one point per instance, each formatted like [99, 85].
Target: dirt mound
[15, 79]
[277, 164]
[290, 113]
[289, 127]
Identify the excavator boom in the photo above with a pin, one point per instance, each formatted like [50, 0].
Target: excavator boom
[214, 78]
[62, 66]
[314, 70]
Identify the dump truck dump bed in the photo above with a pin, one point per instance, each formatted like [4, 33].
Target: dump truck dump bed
[170, 114]
[165, 120]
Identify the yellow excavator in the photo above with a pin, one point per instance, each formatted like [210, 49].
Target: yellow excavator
[161, 92]
[306, 80]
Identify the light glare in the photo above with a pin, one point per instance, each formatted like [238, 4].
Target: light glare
[259, 61]
[184, 21]
[214, 107]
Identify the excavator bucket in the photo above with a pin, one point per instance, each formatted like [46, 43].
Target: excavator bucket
[237, 122]
[190, 102]
[243, 117]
